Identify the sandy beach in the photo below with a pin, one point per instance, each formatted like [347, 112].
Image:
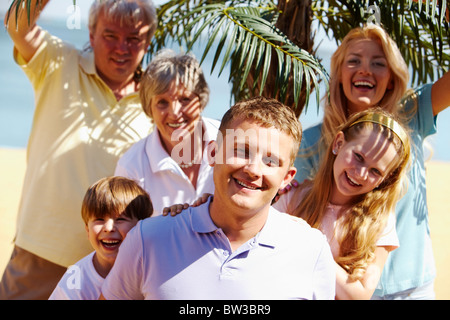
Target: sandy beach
[12, 170]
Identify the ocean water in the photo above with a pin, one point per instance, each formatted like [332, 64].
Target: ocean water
[17, 98]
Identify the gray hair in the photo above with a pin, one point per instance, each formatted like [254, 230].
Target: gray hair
[167, 67]
[126, 12]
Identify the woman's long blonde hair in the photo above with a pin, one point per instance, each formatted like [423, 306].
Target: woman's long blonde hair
[367, 216]
[335, 110]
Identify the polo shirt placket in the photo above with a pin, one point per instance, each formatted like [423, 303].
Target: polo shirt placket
[230, 266]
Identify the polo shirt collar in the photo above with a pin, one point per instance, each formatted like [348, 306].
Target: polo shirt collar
[158, 157]
[202, 223]
[201, 219]
[209, 130]
[268, 236]
[87, 62]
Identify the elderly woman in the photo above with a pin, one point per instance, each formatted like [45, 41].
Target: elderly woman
[171, 164]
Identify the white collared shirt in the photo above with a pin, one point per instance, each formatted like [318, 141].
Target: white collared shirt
[80, 282]
[151, 166]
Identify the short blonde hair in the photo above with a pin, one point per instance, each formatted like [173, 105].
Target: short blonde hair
[268, 113]
[167, 67]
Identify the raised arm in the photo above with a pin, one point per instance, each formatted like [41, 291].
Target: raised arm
[440, 93]
[24, 32]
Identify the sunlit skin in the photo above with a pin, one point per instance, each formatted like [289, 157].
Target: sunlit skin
[106, 235]
[118, 50]
[249, 171]
[175, 109]
[360, 165]
[365, 75]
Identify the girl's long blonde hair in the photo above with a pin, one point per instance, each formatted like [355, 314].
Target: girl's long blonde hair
[366, 217]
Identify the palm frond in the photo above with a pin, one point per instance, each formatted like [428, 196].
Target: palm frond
[246, 39]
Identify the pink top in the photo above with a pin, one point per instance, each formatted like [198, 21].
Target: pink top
[288, 202]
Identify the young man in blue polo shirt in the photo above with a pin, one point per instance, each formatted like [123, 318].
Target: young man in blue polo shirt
[235, 246]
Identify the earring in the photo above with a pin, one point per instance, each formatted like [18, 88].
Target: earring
[334, 151]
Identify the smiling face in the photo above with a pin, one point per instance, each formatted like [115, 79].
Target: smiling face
[118, 50]
[250, 165]
[105, 235]
[175, 109]
[365, 75]
[361, 164]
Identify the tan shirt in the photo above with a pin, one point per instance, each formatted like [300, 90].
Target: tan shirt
[79, 132]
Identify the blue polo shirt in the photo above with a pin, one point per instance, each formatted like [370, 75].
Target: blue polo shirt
[189, 257]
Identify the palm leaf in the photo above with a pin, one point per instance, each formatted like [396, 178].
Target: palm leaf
[246, 41]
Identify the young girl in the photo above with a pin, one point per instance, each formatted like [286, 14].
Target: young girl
[353, 196]
[368, 70]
